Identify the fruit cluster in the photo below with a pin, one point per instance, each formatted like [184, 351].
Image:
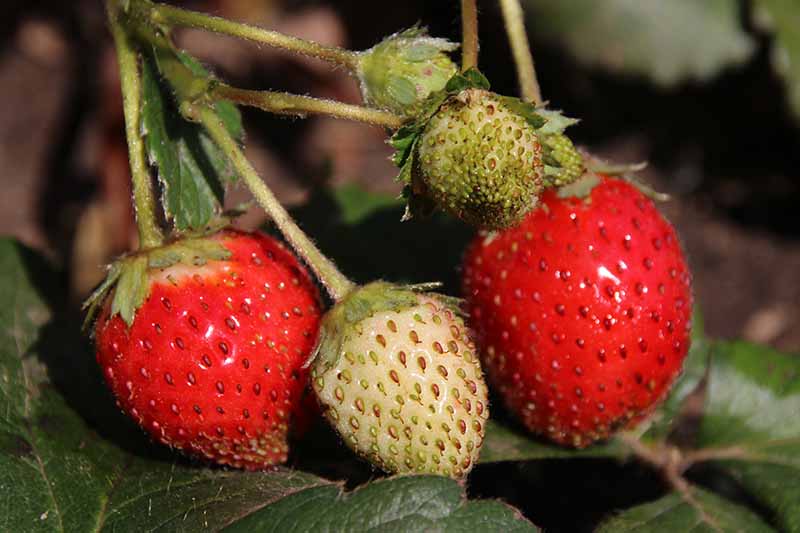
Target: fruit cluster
[576, 290]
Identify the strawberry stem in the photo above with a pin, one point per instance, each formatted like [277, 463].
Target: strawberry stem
[292, 104]
[150, 235]
[189, 87]
[514, 19]
[194, 95]
[469, 32]
[174, 16]
[335, 282]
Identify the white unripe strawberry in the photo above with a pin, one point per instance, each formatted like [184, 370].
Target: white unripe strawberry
[398, 377]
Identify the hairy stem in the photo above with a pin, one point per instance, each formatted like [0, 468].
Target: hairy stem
[189, 87]
[292, 104]
[526, 73]
[335, 282]
[174, 16]
[193, 94]
[150, 235]
[469, 32]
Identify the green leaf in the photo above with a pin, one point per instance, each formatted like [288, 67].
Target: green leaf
[226, 110]
[753, 398]
[192, 169]
[669, 42]
[752, 419]
[355, 204]
[782, 17]
[23, 313]
[504, 443]
[410, 503]
[701, 511]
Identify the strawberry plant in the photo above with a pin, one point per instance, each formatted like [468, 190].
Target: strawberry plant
[239, 380]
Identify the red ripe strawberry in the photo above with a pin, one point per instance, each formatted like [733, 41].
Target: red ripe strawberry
[211, 363]
[582, 312]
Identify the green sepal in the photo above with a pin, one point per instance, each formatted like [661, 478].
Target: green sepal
[580, 188]
[129, 275]
[405, 174]
[132, 289]
[344, 319]
[403, 142]
[627, 172]
[644, 188]
[594, 167]
[405, 139]
[614, 169]
[555, 121]
[98, 295]
[195, 252]
[469, 79]
[526, 110]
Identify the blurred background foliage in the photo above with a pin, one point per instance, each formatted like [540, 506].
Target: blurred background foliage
[707, 91]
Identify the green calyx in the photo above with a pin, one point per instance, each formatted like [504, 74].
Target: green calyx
[483, 157]
[596, 169]
[624, 171]
[400, 72]
[344, 319]
[563, 163]
[129, 276]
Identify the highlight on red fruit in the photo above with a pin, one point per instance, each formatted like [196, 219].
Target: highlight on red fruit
[212, 361]
[582, 311]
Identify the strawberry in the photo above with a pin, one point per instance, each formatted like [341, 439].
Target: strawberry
[582, 311]
[483, 157]
[398, 377]
[210, 361]
[480, 160]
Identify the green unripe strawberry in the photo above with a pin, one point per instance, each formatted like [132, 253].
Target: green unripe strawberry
[563, 163]
[398, 377]
[479, 159]
[401, 71]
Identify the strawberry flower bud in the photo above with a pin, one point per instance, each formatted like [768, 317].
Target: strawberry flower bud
[401, 71]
